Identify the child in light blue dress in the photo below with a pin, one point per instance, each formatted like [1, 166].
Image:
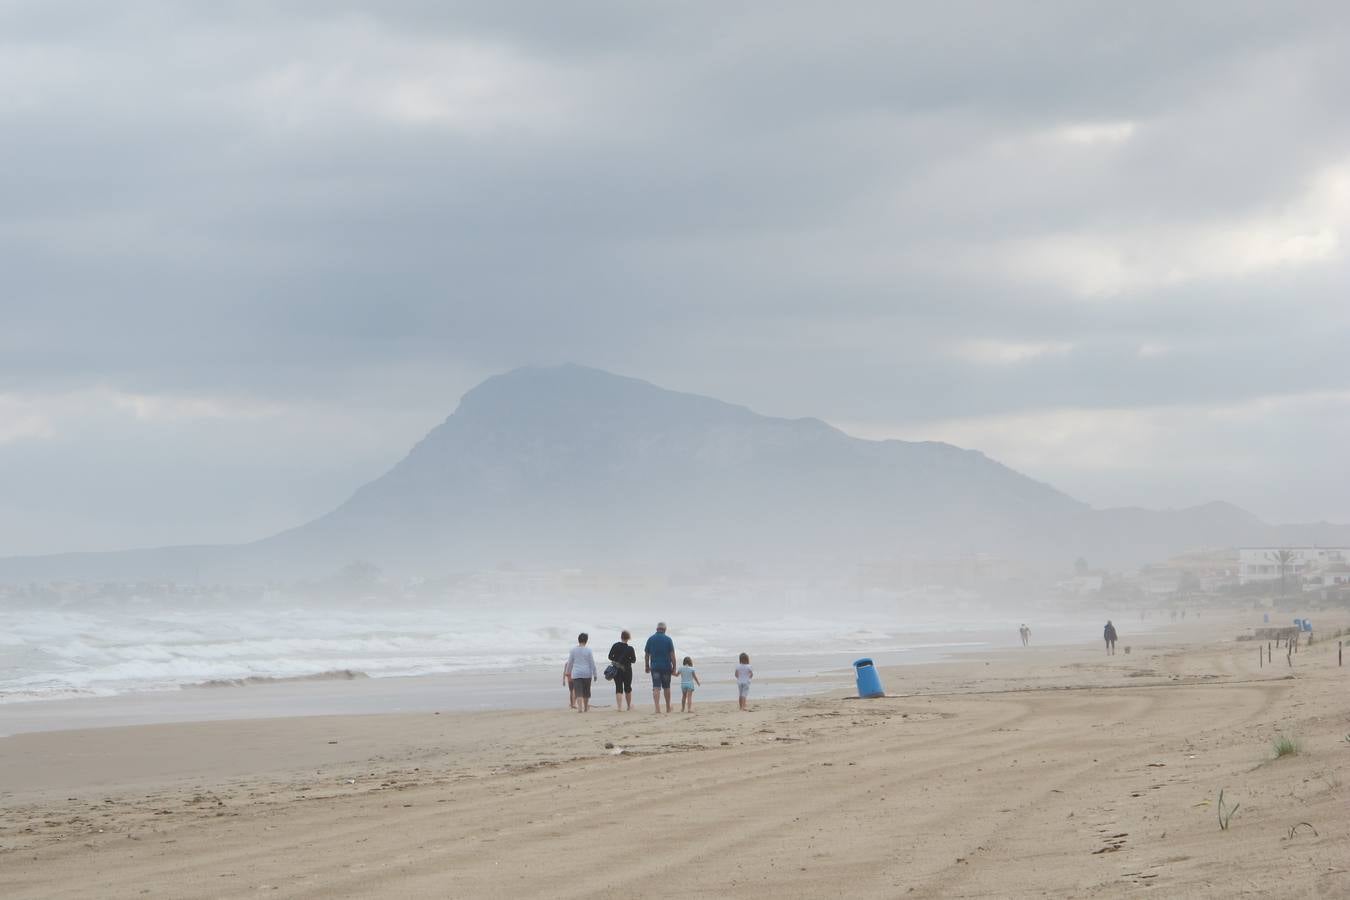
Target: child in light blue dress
[688, 678]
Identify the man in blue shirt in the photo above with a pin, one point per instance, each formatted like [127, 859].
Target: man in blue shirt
[659, 656]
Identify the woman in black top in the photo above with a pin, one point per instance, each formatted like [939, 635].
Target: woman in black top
[624, 657]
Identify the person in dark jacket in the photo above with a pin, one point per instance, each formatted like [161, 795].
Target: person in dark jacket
[659, 660]
[624, 657]
[1109, 632]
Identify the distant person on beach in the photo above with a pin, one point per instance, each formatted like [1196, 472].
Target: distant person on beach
[624, 658]
[1109, 632]
[688, 679]
[743, 675]
[1026, 634]
[659, 661]
[581, 669]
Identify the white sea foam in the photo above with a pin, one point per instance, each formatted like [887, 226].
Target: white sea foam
[113, 648]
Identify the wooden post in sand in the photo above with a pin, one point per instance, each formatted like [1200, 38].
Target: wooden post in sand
[1260, 659]
[1289, 655]
[1340, 650]
[1268, 656]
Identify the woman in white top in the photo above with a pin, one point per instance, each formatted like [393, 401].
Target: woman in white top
[580, 669]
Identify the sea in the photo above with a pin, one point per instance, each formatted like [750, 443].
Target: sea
[129, 661]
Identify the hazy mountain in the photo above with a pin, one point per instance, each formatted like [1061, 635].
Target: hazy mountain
[574, 466]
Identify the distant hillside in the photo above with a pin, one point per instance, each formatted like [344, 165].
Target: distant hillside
[573, 465]
[576, 467]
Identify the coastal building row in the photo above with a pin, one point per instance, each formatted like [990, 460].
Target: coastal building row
[1315, 567]
[1211, 571]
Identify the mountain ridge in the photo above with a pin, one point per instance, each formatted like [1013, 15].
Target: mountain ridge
[574, 466]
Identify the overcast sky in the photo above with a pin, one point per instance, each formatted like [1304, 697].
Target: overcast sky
[250, 252]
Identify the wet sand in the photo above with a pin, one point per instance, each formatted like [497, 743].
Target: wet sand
[1036, 772]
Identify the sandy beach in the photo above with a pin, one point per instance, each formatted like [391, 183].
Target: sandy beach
[1022, 772]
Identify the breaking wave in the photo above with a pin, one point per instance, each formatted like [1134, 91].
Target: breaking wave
[335, 675]
[105, 649]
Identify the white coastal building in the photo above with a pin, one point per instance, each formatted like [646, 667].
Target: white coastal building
[1257, 564]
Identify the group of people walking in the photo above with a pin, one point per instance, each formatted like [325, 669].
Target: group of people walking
[658, 656]
[659, 660]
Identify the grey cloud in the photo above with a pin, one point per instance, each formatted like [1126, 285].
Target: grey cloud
[801, 208]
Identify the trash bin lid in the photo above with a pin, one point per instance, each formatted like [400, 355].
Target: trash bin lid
[859, 663]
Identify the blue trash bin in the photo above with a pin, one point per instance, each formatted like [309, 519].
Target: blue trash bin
[869, 682]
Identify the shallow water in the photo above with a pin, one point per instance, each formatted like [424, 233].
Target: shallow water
[124, 661]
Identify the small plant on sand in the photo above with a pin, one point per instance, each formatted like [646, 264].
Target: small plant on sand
[1225, 815]
[1286, 746]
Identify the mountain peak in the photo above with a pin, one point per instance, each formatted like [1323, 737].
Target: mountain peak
[570, 392]
[531, 382]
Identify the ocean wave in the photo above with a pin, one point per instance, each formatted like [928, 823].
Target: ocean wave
[330, 675]
[53, 692]
[61, 653]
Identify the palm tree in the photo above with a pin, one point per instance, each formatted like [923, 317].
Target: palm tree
[1285, 560]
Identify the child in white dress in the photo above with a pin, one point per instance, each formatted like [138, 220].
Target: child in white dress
[743, 675]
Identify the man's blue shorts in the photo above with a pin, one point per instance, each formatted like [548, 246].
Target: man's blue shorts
[660, 679]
